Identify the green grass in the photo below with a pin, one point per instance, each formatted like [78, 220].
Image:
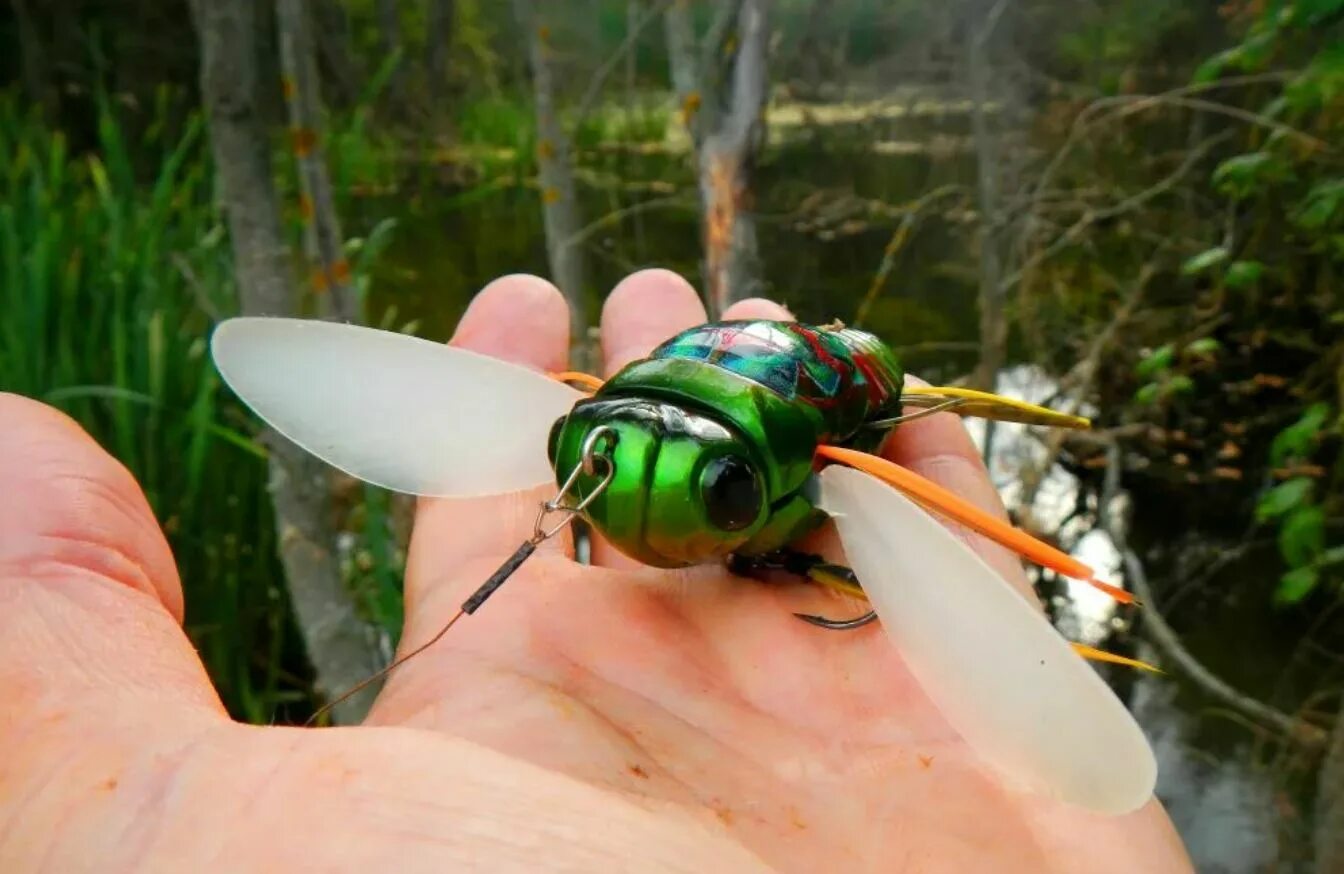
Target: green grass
[509, 122]
[110, 279]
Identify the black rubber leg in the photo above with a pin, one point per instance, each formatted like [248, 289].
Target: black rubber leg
[812, 568]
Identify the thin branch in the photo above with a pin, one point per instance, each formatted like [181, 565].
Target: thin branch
[324, 244]
[1135, 103]
[599, 78]
[555, 168]
[895, 246]
[198, 291]
[617, 216]
[1165, 639]
[1081, 377]
[1130, 203]
[710, 47]
[991, 22]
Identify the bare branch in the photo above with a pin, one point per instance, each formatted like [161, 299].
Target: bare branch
[1155, 628]
[1131, 104]
[711, 48]
[896, 245]
[559, 205]
[1129, 204]
[993, 326]
[1329, 838]
[599, 78]
[685, 68]
[991, 22]
[619, 215]
[324, 245]
[1079, 379]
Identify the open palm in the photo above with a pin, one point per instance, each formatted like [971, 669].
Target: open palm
[609, 716]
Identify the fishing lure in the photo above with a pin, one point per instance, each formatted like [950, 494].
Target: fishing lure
[728, 443]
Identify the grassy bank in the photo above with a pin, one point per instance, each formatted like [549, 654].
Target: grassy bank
[110, 278]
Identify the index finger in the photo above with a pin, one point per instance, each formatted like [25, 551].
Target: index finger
[939, 448]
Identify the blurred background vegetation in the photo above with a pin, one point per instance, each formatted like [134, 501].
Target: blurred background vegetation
[1132, 208]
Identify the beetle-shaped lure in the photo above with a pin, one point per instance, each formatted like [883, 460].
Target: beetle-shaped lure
[729, 442]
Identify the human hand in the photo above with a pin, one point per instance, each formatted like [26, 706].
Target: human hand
[610, 716]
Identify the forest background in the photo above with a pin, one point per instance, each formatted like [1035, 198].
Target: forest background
[1134, 209]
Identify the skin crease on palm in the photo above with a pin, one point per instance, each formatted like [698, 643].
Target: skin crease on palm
[609, 717]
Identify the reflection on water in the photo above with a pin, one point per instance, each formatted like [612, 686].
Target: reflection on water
[1222, 806]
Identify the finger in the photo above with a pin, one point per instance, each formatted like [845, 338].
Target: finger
[645, 309]
[90, 602]
[519, 318]
[758, 308]
[939, 448]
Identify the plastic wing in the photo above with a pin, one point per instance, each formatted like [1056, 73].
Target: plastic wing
[400, 412]
[990, 661]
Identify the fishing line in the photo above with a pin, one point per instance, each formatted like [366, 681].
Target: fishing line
[593, 458]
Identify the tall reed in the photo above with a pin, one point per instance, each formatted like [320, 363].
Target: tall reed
[113, 266]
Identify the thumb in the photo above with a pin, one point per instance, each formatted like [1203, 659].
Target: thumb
[69, 505]
[90, 599]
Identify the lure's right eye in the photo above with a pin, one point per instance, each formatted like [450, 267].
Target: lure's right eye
[732, 493]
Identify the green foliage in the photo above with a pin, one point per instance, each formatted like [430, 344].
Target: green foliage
[1300, 438]
[1294, 179]
[1205, 348]
[1204, 261]
[500, 122]
[110, 282]
[1244, 175]
[360, 155]
[1322, 208]
[1160, 370]
[1284, 498]
[1301, 539]
[1104, 39]
[1302, 535]
[1295, 585]
[110, 285]
[1156, 361]
[1243, 274]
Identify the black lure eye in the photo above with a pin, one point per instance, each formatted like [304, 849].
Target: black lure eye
[731, 492]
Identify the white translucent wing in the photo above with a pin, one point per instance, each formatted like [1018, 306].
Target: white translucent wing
[995, 667]
[397, 411]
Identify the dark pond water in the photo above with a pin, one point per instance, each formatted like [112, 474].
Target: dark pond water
[822, 245]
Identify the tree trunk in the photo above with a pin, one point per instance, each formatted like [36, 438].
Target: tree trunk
[993, 329]
[684, 61]
[343, 649]
[1330, 804]
[726, 164]
[438, 40]
[329, 272]
[555, 168]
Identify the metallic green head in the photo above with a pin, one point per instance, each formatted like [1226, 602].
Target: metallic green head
[687, 489]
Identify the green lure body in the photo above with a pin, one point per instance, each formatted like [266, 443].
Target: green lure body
[713, 436]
